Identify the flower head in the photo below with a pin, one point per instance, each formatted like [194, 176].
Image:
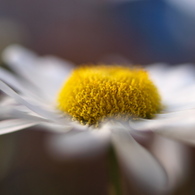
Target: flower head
[92, 94]
[96, 92]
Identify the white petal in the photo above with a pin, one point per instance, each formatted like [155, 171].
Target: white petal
[176, 125]
[37, 109]
[5, 112]
[19, 58]
[10, 79]
[175, 84]
[77, 144]
[23, 62]
[176, 77]
[54, 73]
[14, 113]
[138, 163]
[182, 133]
[56, 128]
[182, 99]
[8, 126]
[64, 125]
[185, 117]
[22, 86]
[46, 73]
[6, 101]
[175, 159]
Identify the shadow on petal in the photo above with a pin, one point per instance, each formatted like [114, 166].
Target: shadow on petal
[174, 157]
[139, 164]
[77, 145]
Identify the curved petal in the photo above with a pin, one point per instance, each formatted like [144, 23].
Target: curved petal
[176, 125]
[9, 126]
[182, 99]
[77, 144]
[179, 83]
[176, 77]
[6, 101]
[23, 87]
[184, 133]
[20, 59]
[138, 163]
[54, 71]
[14, 113]
[50, 72]
[23, 61]
[181, 117]
[10, 79]
[35, 108]
[175, 159]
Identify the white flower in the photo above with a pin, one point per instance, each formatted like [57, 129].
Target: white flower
[31, 100]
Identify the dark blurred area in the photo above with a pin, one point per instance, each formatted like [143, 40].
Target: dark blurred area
[88, 31]
[143, 31]
[27, 169]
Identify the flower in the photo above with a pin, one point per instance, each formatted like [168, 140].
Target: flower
[31, 100]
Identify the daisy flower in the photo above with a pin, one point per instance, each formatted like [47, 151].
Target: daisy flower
[91, 107]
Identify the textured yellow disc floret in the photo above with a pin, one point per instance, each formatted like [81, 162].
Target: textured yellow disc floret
[95, 92]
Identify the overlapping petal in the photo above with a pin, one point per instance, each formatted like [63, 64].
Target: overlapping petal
[174, 157]
[45, 73]
[9, 126]
[138, 163]
[33, 92]
[78, 144]
[176, 125]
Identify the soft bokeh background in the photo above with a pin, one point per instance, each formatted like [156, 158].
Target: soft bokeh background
[87, 31]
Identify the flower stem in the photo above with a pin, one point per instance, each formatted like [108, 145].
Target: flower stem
[115, 187]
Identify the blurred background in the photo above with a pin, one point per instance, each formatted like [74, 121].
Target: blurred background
[87, 31]
[142, 31]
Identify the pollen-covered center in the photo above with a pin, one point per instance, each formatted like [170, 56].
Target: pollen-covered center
[96, 92]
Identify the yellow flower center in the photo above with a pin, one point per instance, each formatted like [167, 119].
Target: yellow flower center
[95, 92]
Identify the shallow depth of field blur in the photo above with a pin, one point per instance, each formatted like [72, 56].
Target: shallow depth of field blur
[87, 31]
